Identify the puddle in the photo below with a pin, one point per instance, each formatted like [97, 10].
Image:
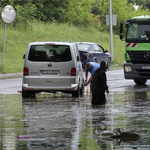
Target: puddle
[62, 122]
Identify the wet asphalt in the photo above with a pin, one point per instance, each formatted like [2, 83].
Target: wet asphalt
[60, 122]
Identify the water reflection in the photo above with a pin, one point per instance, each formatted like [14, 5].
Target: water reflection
[11, 121]
[99, 125]
[53, 122]
[123, 111]
[138, 105]
[62, 122]
[140, 92]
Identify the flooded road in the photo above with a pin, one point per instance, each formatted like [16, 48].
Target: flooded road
[61, 122]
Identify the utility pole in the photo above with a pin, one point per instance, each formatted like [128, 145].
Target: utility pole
[111, 28]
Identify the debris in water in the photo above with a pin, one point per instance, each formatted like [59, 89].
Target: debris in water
[23, 137]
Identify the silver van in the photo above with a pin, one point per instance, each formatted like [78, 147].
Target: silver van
[52, 67]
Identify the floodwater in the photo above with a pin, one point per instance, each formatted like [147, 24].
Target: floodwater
[61, 122]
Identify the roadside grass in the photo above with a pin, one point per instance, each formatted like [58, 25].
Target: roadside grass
[17, 41]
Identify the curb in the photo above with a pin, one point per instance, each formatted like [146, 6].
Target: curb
[11, 75]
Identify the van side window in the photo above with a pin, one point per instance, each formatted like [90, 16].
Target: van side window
[51, 53]
[76, 51]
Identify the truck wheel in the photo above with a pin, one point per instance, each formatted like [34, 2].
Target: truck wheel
[140, 81]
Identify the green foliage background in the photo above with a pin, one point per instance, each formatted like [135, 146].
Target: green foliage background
[75, 12]
[63, 20]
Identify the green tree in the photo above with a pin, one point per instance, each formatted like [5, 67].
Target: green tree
[79, 12]
[122, 9]
[76, 12]
[25, 14]
[144, 3]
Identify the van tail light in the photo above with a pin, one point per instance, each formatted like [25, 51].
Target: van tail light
[25, 71]
[74, 71]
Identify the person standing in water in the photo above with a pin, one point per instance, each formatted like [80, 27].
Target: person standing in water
[99, 85]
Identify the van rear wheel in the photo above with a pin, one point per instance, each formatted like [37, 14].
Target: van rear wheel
[76, 93]
[82, 90]
[27, 94]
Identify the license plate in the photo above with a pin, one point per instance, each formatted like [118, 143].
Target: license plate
[49, 72]
[145, 67]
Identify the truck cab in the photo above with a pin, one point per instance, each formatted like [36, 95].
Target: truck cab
[137, 48]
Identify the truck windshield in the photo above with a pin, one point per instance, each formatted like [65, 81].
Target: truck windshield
[138, 31]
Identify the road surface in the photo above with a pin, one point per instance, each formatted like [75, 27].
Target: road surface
[116, 83]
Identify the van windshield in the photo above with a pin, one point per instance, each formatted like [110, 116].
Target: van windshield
[52, 53]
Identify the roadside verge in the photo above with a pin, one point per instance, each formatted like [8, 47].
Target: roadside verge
[11, 75]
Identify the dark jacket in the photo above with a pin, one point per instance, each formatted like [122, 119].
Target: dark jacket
[99, 86]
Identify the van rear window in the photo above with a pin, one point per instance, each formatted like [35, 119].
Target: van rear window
[52, 53]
